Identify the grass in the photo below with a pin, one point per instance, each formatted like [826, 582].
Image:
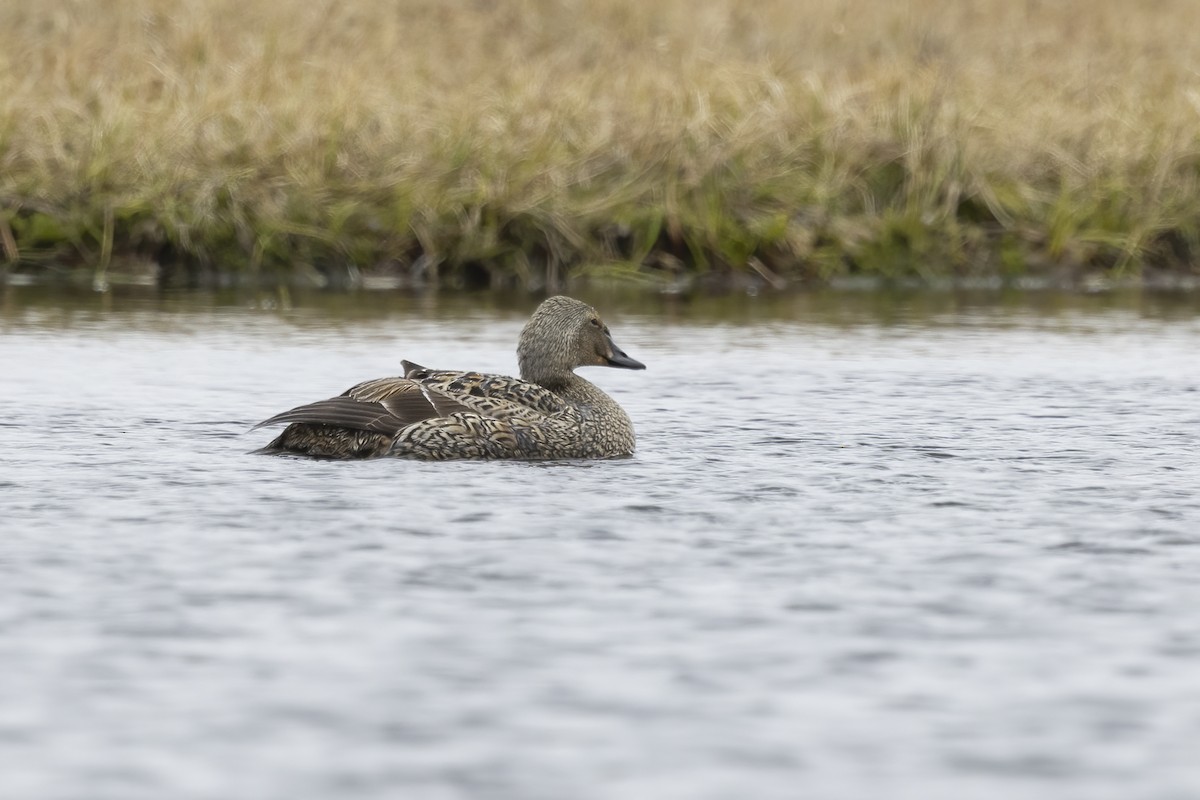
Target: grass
[532, 143]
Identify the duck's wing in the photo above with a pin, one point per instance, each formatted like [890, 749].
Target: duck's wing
[388, 405]
[384, 405]
[482, 391]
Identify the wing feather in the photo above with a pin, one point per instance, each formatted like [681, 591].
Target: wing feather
[385, 406]
[341, 412]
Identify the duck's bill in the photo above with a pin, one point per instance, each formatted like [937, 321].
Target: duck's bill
[619, 359]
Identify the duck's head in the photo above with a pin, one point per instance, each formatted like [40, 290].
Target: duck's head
[563, 334]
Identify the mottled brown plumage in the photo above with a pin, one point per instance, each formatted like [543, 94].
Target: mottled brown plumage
[549, 412]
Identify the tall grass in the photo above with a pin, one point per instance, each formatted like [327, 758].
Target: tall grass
[528, 142]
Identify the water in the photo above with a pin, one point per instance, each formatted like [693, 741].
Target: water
[869, 547]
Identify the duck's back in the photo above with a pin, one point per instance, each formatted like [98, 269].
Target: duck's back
[487, 393]
[506, 418]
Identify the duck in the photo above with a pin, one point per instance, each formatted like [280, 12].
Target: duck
[549, 412]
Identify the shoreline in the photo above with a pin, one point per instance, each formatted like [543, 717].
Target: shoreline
[140, 274]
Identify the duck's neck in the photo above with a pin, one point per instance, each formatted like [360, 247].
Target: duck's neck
[578, 391]
[575, 390]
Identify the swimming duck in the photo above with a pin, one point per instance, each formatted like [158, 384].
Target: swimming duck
[549, 412]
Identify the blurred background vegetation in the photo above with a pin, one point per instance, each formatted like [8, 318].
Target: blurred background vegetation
[533, 143]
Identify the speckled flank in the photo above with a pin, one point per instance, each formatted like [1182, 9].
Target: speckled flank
[550, 412]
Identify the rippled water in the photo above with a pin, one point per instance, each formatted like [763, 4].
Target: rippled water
[906, 548]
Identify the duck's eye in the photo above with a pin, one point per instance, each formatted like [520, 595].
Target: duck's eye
[595, 322]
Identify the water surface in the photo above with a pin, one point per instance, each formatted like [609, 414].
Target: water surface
[869, 546]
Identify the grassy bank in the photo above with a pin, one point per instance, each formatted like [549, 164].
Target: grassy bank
[529, 143]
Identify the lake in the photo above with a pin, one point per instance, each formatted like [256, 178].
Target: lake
[933, 545]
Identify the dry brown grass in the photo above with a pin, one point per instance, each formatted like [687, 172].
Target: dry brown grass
[522, 141]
